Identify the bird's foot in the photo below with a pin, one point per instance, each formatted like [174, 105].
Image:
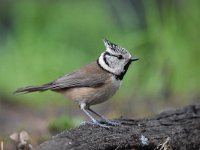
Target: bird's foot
[112, 123]
[94, 123]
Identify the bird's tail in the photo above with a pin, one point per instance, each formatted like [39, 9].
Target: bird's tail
[30, 89]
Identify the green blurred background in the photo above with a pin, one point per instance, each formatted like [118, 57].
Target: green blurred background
[41, 40]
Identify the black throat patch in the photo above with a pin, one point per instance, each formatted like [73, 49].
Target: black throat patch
[121, 76]
[118, 77]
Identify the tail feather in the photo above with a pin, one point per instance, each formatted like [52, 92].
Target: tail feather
[30, 89]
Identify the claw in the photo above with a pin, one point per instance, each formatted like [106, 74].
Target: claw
[104, 118]
[112, 123]
[94, 123]
[99, 124]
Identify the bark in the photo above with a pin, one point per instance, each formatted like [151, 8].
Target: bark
[175, 129]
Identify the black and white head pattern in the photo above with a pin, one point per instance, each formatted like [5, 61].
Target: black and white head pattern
[115, 59]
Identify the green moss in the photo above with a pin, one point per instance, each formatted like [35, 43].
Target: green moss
[62, 123]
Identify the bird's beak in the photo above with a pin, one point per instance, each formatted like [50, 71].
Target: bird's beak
[134, 59]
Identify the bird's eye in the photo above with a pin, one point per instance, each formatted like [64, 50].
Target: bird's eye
[120, 57]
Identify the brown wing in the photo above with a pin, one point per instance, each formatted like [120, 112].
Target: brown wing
[89, 76]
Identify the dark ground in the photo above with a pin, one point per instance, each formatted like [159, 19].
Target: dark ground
[175, 129]
[17, 116]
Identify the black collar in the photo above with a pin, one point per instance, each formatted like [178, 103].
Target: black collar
[121, 75]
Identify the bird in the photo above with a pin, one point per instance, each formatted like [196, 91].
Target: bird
[94, 83]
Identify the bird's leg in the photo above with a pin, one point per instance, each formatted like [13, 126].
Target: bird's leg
[85, 108]
[104, 118]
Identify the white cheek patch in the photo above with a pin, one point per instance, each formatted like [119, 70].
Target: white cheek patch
[111, 64]
[104, 65]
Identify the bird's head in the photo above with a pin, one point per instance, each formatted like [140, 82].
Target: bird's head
[115, 59]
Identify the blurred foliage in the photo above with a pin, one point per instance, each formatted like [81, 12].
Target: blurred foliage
[42, 40]
[61, 123]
